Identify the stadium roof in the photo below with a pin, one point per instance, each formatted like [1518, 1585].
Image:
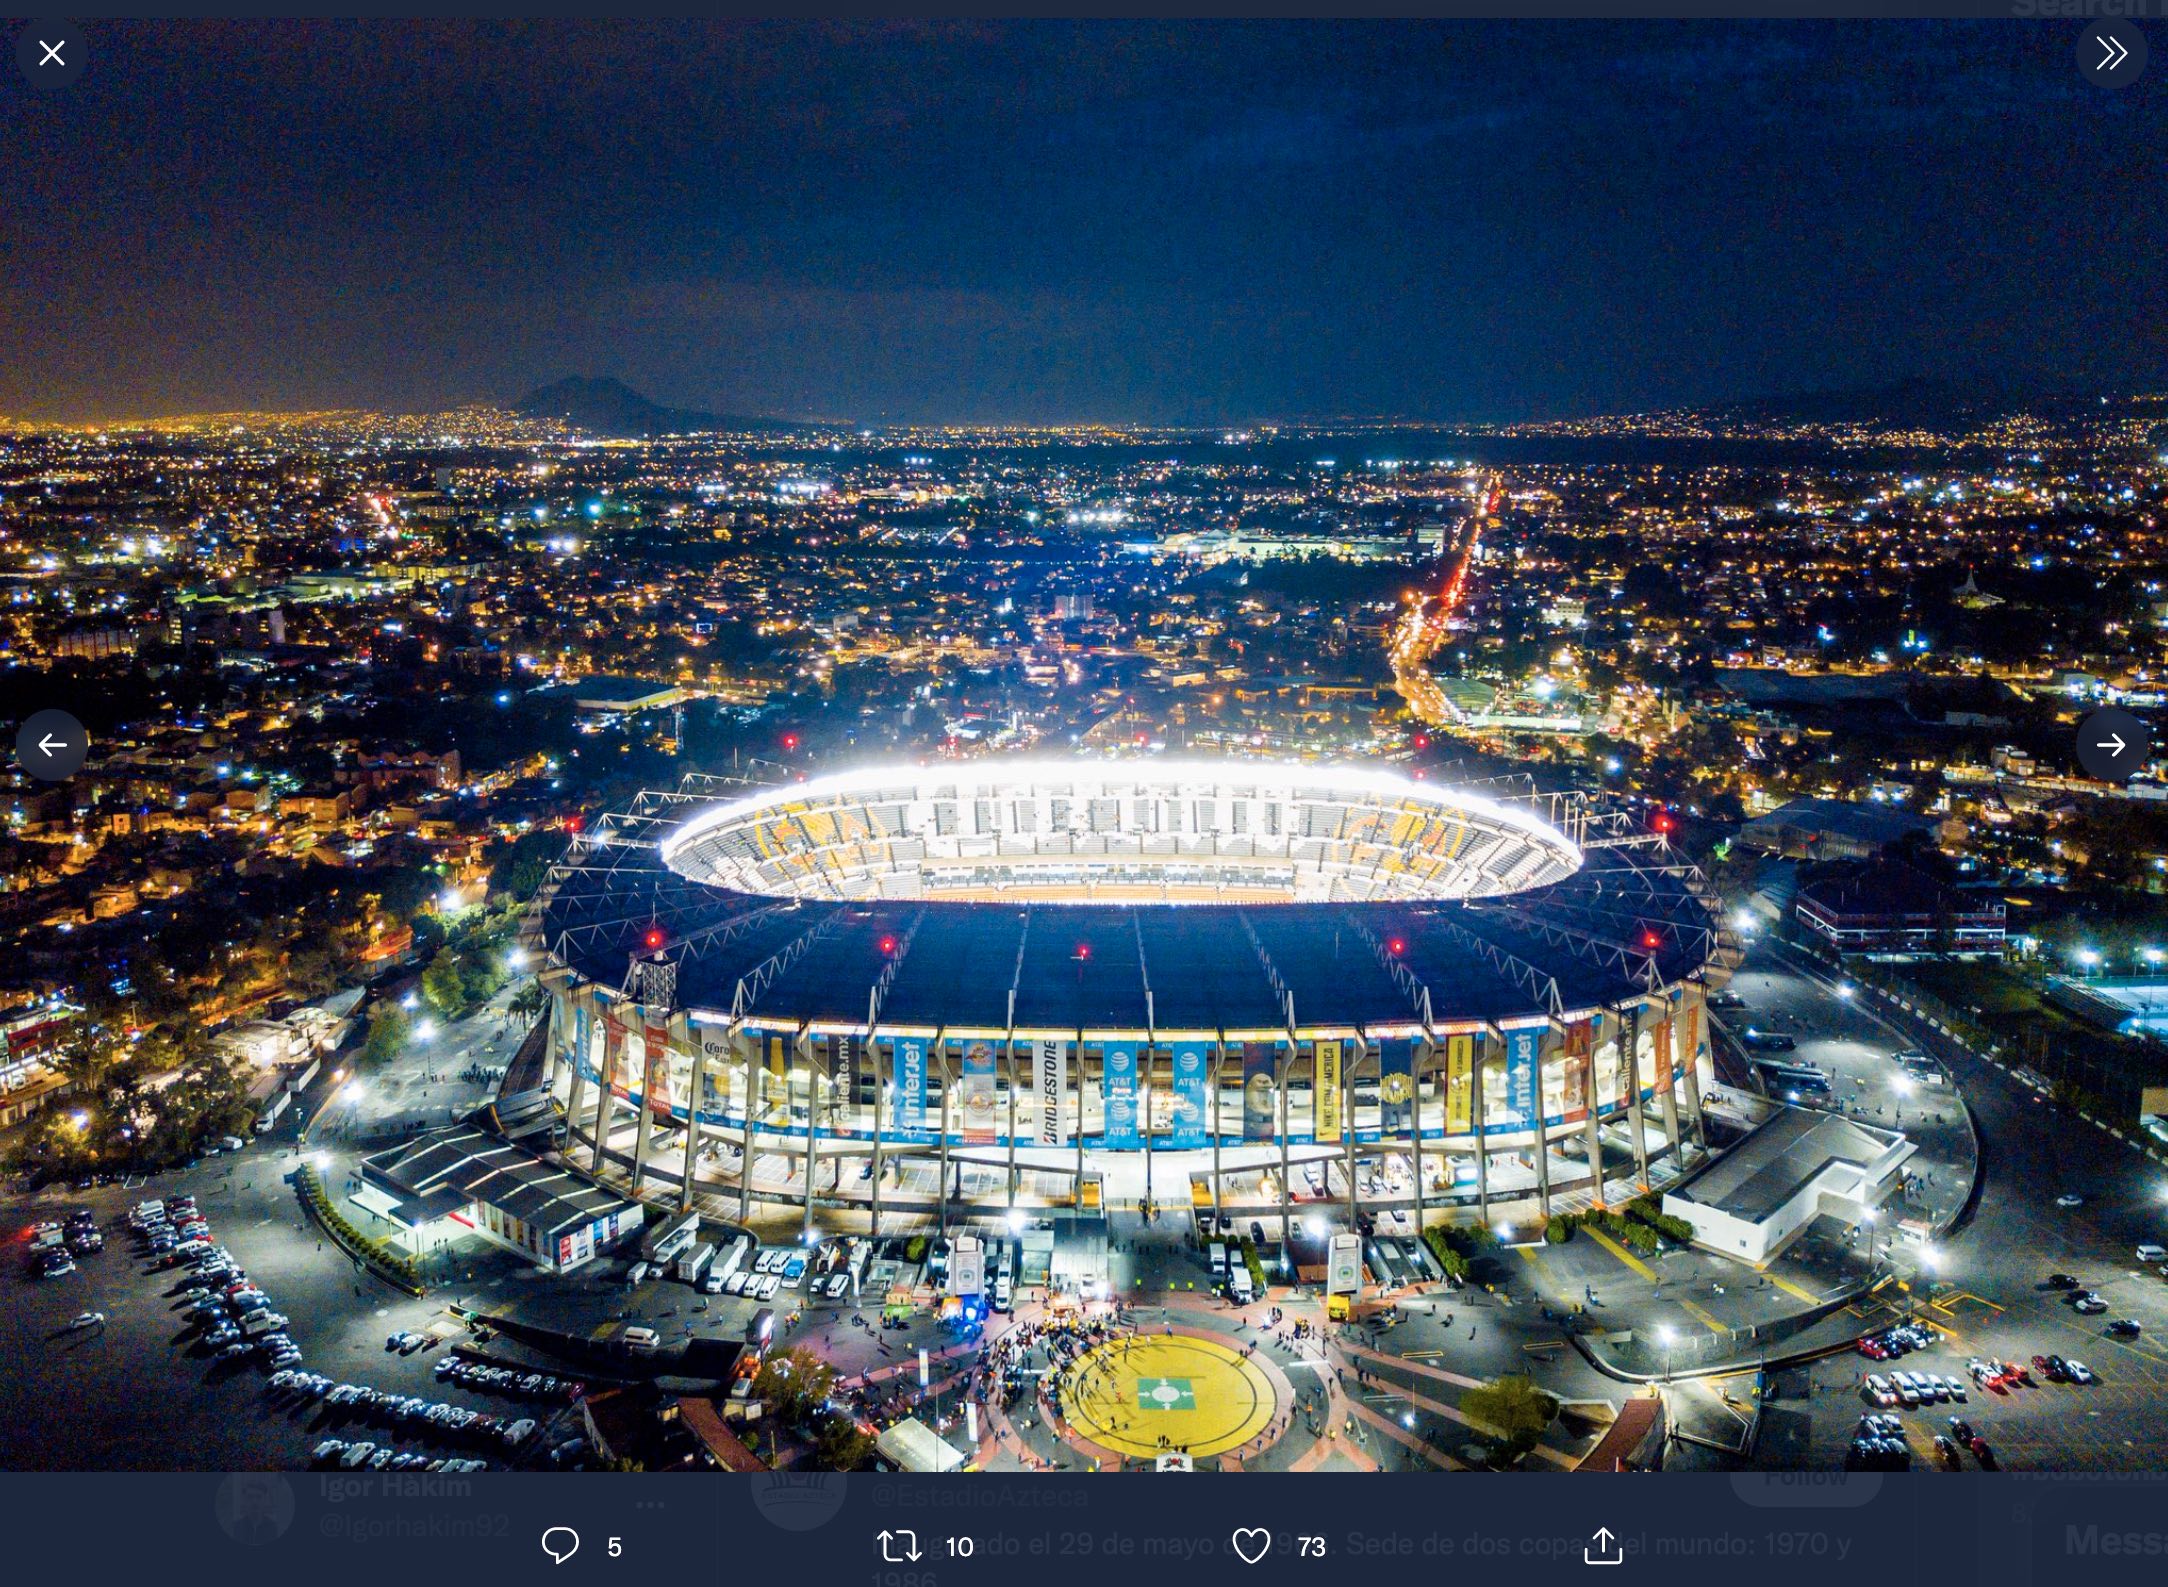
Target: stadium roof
[1611, 932]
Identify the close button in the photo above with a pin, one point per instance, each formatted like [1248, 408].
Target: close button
[51, 54]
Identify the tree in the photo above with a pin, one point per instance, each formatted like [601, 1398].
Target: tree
[843, 1444]
[389, 1029]
[444, 984]
[796, 1382]
[1512, 1410]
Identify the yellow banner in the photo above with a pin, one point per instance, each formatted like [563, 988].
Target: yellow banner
[1459, 1084]
[1327, 1092]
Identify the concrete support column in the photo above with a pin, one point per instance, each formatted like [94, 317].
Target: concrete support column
[814, 1074]
[1691, 1030]
[1350, 1055]
[1422, 1053]
[750, 1046]
[1219, 1069]
[1482, 1146]
[1286, 1072]
[576, 1087]
[1592, 1127]
[939, 1054]
[1630, 1036]
[880, 1091]
[613, 1055]
[692, 1115]
[652, 1066]
[1010, 1046]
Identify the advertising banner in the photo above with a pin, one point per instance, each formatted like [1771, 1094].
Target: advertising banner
[1191, 1063]
[909, 1057]
[1522, 1047]
[1050, 1079]
[583, 1037]
[1396, 1086]
[655, 1070]
[1690, 1055]
[1118, 1095]
[1260, 1096]
[1661, 1058]
[975, 1093]
[1325, 1092]
[842, 1069]
[1459, 1085]
[1579, 1054]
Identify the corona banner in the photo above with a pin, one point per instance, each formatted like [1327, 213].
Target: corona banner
[1118, 1094]
[1190, 1061]
[975, 1093]
[1396, 1086]
[1050, 1078]
[1260, 1099]
[1459, 1084]
[1579, 1052]
[1325, 1093]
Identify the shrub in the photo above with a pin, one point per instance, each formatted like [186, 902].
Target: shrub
[1559, 1230]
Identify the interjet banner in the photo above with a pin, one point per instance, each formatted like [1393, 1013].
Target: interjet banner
[1050, 1079]
[976, 1093]
[1521, 1049]
[1260, 1095]
[910, 1081]
[1190, 1062]
[1118, 1095]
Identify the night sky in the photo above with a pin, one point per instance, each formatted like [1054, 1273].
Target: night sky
[1171, 223]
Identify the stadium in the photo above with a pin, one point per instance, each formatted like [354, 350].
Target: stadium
[913, 994]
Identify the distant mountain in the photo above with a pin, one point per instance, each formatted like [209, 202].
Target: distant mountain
[1913, 401]
[609, 408]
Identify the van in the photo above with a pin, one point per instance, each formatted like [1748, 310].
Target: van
[1004, 1292]
[2150, 1254]
[641, 1339]
[1219, 1260]
[1239, 1286]
[638, 1275]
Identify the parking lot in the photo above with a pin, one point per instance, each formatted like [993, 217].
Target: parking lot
[143, 1392]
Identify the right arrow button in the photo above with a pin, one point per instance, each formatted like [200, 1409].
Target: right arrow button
[2114, 746]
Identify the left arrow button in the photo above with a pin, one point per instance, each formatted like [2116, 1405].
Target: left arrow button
[51, 746]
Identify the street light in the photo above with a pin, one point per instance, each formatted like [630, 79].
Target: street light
[1665, 1336]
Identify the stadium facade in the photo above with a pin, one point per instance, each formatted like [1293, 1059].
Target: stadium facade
[1230, 982]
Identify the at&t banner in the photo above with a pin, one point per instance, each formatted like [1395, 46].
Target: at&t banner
[1118, 1095]
[1189, 1088]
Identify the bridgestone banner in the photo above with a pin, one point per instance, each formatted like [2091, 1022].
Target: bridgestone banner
[1050, 1080]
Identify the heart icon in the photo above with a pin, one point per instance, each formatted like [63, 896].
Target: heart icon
[1252, 1543]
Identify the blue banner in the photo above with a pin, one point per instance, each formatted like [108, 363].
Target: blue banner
[1118, 1095]
[1396, 1086]
[1190, 1059]
[910, 1081]
[1521, 1048]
